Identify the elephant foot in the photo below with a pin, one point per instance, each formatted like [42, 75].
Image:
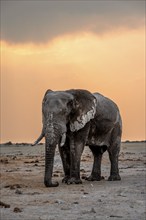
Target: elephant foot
[114, 177]
[73, 180]
[51, 184]
[94, 178]
[65, 179]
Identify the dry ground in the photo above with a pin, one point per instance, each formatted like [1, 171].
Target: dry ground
[24, 196]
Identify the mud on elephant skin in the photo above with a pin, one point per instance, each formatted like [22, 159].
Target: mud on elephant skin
[73, 119]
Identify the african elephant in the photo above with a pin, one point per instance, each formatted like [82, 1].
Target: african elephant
[73, 119]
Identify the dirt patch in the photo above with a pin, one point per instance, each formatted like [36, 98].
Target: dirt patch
[24, 196]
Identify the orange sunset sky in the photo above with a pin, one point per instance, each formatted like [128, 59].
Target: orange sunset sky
[94, 45]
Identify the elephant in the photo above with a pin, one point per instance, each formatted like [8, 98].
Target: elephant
[76, 118]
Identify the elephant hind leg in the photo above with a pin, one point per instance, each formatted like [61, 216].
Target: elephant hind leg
[96, 170]
[113, 151]
[114, 155]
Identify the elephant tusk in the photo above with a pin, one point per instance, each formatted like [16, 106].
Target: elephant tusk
[63, 139]
[38, 140]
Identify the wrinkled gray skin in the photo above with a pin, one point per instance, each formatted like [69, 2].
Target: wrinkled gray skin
[73, 119]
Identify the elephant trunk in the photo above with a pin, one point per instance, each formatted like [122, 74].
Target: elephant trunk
[49, 161]
[54, 134]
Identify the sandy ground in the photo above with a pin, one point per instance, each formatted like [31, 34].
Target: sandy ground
[24, 196]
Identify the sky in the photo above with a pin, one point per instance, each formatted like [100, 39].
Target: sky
[59, 45]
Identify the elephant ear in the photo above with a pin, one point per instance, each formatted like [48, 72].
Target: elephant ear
[45, 96]
[43, 102]
[83, 110]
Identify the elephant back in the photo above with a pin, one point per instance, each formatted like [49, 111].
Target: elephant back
[106, 109]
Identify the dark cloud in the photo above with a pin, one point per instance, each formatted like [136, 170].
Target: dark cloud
[40, 21]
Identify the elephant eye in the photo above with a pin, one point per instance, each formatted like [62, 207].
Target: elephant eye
[61, 110]
[70, 104]
[64, 111]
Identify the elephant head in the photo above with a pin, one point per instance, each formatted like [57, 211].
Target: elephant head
[63, 112]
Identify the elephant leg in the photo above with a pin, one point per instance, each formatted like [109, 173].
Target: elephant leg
[114, 155]
[77, 143]
[113, 151]
[65, 157]
[96, 170]
[75, 156]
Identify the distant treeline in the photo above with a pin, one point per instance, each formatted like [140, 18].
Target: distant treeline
[127, 141]
[23, 144]
[27, 144]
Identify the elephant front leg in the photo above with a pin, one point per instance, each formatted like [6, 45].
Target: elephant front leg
[77, 143]
[65, 157]
[75, 157]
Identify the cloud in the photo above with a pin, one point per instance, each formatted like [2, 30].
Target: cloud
[41, 21]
